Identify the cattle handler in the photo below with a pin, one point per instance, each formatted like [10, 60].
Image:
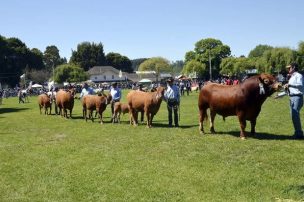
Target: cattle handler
[295, 91]
[172, 97]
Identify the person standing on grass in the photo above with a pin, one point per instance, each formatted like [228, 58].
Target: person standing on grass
[172, 98]
[86, 90]
[116, 96]
[295, 91]
[20, 96]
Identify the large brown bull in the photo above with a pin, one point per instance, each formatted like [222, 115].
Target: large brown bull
[149, 102]
[95, 102]
[243, 100]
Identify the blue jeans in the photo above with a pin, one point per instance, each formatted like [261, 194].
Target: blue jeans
[296, 103]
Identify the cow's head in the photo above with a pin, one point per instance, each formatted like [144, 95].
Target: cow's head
[268, 84]
[160, 91]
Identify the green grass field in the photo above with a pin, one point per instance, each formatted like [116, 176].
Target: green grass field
[49, 158]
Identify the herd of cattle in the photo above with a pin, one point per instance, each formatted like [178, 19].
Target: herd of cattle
[243, 100]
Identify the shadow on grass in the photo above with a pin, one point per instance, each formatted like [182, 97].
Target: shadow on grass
[259, 136]
[10, 110]
[295, 190]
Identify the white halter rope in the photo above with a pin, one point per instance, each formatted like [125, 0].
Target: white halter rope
[262, 90]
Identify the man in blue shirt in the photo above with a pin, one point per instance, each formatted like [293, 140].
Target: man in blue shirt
[172, 98]
[86, 90]
[295, 90]
[116, 96]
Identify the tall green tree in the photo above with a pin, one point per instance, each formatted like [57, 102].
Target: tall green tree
[278, 58]
[36, 59]
[51, 57]
[194, 67]
[259, 50]
[300, 55]
[88, 55]
[70, 73]
[157, 64]
[14, 59]
[120, 62]
[177, 66]
[137, 62]
[214, 50]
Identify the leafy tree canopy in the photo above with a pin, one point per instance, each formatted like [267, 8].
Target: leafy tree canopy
[88, 55]
[157, 64]
[70, 73]
[52, 58]
[137, 62]
[193, 66]
[259, 50]
[120, 62]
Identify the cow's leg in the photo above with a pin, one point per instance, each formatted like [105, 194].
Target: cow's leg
[133, 116]
[100, 115]
[65, 112]
[148, 115]
[91, 115]
[242, 121]
[151, 119]
[50, 110]
[141, 116]
[253, 123]
[212, 117]
[71, 110]
[40, 109]
[118, 117]
[201, 120]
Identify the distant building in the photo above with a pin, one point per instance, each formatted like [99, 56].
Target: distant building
[99, 74]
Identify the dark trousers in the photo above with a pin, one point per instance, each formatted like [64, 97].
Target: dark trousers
[173, 106]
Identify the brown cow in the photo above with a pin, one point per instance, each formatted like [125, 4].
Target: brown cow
[45, 101]
[123, 108]
[95, 102]
[118, 109]
[65, 101]
[149, 102]
[243, 100]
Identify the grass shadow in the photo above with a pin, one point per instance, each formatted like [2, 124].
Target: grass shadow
[10, 110]
[259, 136]
[296, 190]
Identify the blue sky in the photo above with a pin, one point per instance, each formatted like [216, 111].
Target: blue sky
[167, 28]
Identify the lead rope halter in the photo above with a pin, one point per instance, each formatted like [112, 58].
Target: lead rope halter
[262, 90]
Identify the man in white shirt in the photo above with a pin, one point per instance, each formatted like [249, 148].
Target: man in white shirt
[172, 98]
[295, 90]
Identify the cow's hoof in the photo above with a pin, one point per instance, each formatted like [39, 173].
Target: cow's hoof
[202, 133]
[243, 138]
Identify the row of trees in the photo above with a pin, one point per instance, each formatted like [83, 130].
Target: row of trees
[16, 59]
[264, 58]
[208, 55]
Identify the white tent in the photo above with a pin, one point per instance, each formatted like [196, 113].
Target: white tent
[36, 86]
[145, 81]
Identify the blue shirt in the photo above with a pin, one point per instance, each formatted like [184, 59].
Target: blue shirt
[86, 91]
[172, 93]
[115, 93]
